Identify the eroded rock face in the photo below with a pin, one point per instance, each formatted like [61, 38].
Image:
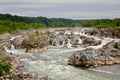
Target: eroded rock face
[108, 55]
[3, 55]
[88, 41]
[104, 32]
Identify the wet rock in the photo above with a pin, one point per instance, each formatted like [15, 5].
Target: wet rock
[88, 41]
[18, 43]
[17, 74]
[35, 41]
[7, 44]
[104, 32]
[96, 57]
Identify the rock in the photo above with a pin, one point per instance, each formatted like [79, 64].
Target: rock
[104, 32]
[18, 43]
[88, 41]
[5, 37]
[16, 74]
[7, 44]
[96, 57]
[35, 41]
[108, 62]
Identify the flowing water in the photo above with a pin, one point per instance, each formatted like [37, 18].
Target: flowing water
[53, 63]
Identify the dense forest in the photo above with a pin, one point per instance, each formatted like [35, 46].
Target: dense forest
[53, 22]
[102, 23]
[14, 23]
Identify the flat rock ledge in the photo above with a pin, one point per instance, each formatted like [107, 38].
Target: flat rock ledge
[108, 55]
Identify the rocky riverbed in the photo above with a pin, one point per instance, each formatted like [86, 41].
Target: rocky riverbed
[54, 49]
[7, 56]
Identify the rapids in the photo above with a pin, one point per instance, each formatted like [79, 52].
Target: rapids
[53, 63]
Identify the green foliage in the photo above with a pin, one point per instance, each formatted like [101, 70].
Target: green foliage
[116, 45]
[61, 22]
[101, 23]
[4, 68]
[14, 23]
[53, 22]
[9, 26]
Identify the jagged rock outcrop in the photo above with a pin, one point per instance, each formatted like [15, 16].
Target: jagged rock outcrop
[3, 55]
[36, 40]
[104, 32]
[108, 55]
[89, 41]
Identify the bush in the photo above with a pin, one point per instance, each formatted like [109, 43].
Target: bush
[116, 45]
[4, 68]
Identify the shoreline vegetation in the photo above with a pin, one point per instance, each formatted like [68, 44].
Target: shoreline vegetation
[13, 23]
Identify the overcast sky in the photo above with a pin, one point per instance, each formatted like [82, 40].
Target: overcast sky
[74, 9]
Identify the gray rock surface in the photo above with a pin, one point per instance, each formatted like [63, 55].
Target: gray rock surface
[107, 55]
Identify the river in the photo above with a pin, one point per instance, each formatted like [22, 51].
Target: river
[53, 63]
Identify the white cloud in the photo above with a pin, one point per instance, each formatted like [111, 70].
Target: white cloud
[62, 8]
[64, 1]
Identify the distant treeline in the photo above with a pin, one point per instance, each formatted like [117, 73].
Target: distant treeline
[102, 23]
[53, 22]
[14, 23]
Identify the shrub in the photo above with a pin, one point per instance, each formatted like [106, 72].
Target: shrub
[116, 45]
[4, 68]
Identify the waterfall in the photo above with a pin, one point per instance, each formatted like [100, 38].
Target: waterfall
[57, 43]
[11, 50]
[12, 47]
[69, 45]
[63, 44]
[79, 41]
[8, 50]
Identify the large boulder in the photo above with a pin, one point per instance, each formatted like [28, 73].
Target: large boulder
[18, 43]
[35, 40]
[5, 37]
[108, 55]
[89, 41]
